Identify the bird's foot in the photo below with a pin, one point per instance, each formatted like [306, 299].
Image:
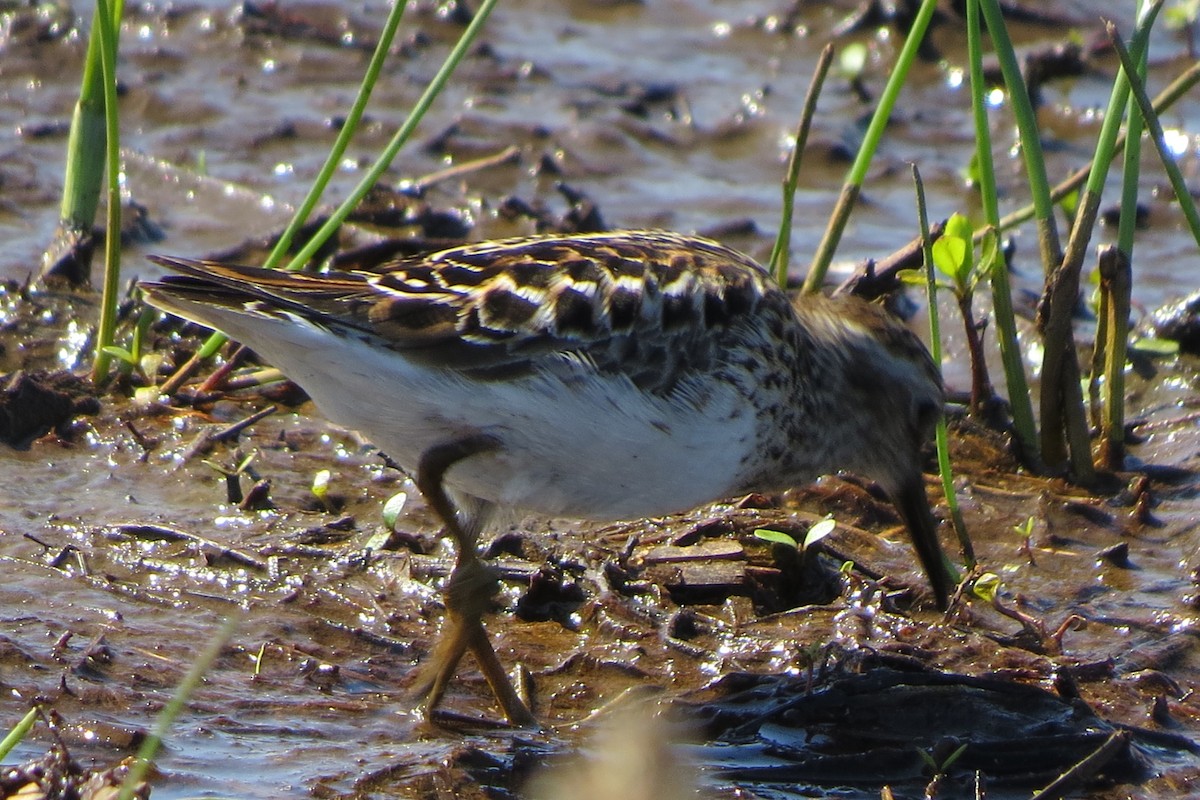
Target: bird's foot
[468, 595]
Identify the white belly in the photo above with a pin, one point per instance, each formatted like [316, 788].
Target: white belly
[598, 448]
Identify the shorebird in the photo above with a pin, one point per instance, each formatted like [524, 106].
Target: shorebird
[606, 376]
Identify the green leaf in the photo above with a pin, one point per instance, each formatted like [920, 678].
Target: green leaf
[1152, 346]
[392, 508]
[119, 353]
[818, 531]
[1025, 528]
[776, 537]
[970, 173]
[987, 586]
[1070, 203]
[949, 256]
[959, 227]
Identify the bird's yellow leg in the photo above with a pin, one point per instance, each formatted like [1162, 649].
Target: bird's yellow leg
[469, 591]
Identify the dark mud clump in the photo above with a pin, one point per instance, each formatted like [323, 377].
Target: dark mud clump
[34, 404]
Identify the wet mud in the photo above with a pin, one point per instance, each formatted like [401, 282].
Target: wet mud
[131, 527]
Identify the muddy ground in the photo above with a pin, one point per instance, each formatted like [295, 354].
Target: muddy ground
[124, 540]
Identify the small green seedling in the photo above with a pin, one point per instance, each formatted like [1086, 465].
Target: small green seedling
[816, 532]
[320, 488]
[1025, 531]
[393, 508]
[987, 587]
[944, 767]
[954, 257]
[133, 358]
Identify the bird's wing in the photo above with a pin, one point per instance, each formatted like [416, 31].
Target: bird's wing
[651, 305]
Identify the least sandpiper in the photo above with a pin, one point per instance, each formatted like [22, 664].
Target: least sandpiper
[605, 376]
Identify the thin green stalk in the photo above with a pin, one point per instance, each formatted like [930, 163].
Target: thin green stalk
[935, 350]
[68, 255]
[1186, 203]
[1062, 397]
[382, 48]
[1006, 325]
[1116, 280]
[1031, 143]
[400, 139]
[214, 342]
[170, 713]
[1163, 101]
[106, 32]
[779, 255]
[19, 732]
[858, 170]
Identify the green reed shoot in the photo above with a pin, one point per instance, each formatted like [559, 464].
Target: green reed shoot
[1164, 100]
[1006, 326]
[779, 254]
[107, 33]
[18, 732]
[935, 350]
[349, 128]
[1130, 60]
[86, 152]
[398, 140]
[858, 170]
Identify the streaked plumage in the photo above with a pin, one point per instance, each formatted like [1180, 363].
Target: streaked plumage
[606, 376]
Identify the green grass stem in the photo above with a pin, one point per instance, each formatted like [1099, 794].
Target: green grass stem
[1019, 398]
[401, 137]
[1116, 279]
[1129, 62]
[1064, 426]
[85, 143]
[1031, 143]
[1163, 101]
[349, 128]
[19, 732]
[171, 712]
[106, 32]
[858, 170]
[779, 254]
[935, 350]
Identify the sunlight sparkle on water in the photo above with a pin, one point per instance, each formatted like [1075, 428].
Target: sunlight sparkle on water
[1178, 142]
[72, 345]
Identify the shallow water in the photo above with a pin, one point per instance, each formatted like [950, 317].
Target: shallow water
[669, 115]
